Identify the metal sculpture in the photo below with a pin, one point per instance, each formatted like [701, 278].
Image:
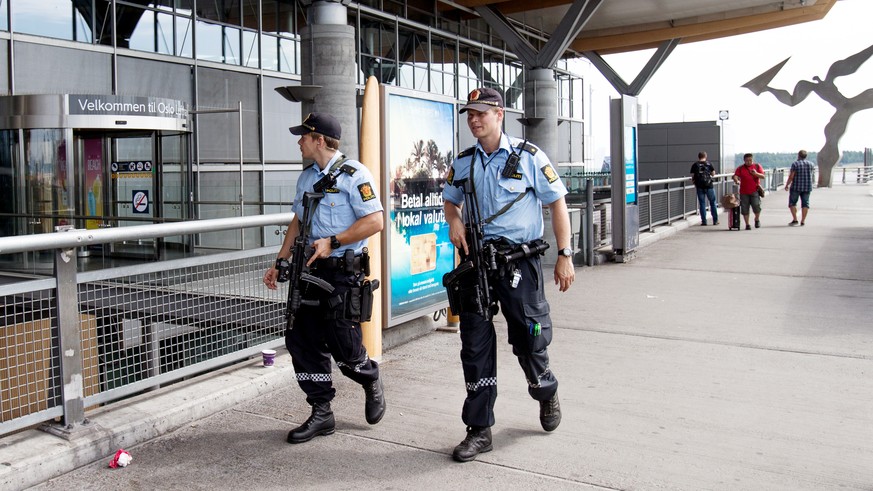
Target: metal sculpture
[844, 107]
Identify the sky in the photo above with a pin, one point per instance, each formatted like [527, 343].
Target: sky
[699, 79]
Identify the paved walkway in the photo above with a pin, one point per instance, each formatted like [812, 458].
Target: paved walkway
[715, 360]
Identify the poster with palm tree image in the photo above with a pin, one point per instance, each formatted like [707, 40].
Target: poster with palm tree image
[420, 143]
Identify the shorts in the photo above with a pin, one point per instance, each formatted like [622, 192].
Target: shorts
[804, 198]
[752, 200]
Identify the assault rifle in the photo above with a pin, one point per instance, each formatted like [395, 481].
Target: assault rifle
[467, 284]
[296, 270]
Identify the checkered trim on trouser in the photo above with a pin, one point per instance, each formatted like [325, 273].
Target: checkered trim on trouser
[537, 384]
[482, 382]
[314, 377]
[356, 368]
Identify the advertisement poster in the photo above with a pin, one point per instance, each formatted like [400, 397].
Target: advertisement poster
[420, 150]
[93, 148]
[630, 164]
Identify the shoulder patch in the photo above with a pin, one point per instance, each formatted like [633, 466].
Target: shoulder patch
[550, 173]
[467, 152]
[451, 176]
[366, 191]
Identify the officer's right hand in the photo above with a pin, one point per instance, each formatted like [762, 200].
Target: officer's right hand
[458, 235]
[270, 278]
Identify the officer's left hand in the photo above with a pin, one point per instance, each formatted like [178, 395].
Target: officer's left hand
[565, 273]
[320, 248]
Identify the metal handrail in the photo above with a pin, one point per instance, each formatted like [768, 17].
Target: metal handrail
[84, 237]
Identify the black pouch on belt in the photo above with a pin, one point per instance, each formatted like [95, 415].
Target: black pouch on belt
[366, 300]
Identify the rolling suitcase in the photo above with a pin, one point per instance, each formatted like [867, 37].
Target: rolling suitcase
[734, 218]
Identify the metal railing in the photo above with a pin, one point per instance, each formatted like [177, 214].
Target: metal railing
[660, 202]
[81, 339]
[854, 174]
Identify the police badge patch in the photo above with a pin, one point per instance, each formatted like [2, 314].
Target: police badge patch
[366, 191]
[550, 173]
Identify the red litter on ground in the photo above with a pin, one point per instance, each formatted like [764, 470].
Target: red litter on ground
[121, 459]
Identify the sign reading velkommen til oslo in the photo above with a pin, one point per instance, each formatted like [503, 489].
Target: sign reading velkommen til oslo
[116, 105]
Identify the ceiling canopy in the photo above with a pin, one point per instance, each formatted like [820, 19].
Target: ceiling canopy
[629, 25]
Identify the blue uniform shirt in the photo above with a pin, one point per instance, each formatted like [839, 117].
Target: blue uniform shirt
[352, 197]
[535, 177]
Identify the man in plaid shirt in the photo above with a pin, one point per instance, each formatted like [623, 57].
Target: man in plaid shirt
[800, 182]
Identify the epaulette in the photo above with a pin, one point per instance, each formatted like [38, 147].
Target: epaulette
[467, 152]
[528, 147]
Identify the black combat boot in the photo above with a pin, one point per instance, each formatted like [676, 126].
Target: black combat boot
[374, 407]
[478, 441]
[321, 422]
[550, 413]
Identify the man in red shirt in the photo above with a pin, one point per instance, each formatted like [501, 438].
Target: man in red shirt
[747, 176]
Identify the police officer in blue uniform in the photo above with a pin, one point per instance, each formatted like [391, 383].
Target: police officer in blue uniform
[349, 213]
[511, 210]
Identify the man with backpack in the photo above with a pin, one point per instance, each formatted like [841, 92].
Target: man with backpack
[701, 175]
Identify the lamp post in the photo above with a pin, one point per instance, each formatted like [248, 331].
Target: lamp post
[723, 115]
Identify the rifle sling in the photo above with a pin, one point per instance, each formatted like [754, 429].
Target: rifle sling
[307, 227]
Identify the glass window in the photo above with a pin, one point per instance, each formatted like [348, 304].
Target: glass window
[514, 71]
[50, 18]
[250, 14]
[184, 42]
[9, 172]
[164, 34]
[269, 53]
[49, 182]
[289, 56]
[231, 45]
[442, 68]
[225, 11]
[563, 96]
[218, 43]
[4, 20]
[493, 69]
[280, 17]
[469, 70]
[251, 56]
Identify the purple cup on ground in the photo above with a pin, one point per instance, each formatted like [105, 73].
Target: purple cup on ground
[269, 356]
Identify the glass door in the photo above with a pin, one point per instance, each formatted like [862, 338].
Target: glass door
[173, 177]
[133, 193]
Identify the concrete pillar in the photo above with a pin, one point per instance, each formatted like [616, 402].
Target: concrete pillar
[328, 60]
[541, 110]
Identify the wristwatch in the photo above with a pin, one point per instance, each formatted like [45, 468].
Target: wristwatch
[567, 252]
[334, 242]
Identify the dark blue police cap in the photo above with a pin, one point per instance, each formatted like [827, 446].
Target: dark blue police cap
[483, 99]
[321, 123]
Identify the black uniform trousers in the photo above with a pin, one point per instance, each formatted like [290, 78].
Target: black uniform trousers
[523, 307]
[316, 336]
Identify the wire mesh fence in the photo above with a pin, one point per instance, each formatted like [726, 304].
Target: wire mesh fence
[139, 327]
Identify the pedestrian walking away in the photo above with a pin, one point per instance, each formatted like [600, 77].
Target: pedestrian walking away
[336, 210]
[800, 184]
[701, 175]
[495, 190]
[747, 176]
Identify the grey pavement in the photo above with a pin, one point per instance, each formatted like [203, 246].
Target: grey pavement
[716, 359]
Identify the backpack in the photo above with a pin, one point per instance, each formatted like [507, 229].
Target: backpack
[704, 176]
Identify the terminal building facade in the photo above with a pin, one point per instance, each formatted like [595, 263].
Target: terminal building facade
[116, 113]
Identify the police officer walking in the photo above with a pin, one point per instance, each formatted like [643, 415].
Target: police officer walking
[349, 213]
[511, 211]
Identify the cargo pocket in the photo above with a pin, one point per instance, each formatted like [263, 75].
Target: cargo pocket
[539, 325]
